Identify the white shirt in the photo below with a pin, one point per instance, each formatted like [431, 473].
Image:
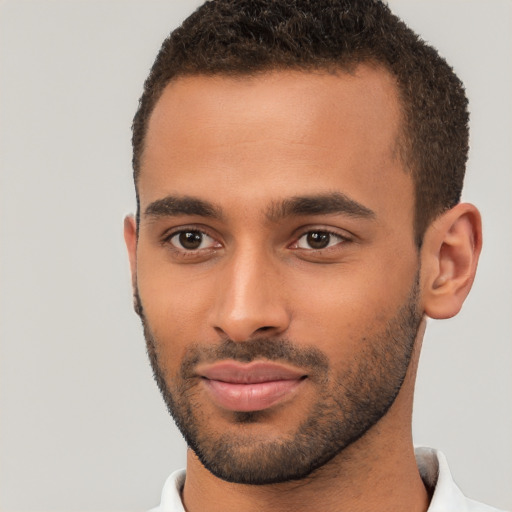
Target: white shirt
[432, 465]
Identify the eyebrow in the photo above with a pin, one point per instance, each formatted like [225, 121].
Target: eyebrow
[174, 206]
[320, 204]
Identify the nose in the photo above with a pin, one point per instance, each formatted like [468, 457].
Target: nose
[250, 300]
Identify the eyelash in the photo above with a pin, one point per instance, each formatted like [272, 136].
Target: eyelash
[184, 253]
[342, 239]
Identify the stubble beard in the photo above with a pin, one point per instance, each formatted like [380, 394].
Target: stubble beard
[348, 402]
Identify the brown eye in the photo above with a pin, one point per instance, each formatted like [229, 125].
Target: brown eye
[192, 240]
[317, 240]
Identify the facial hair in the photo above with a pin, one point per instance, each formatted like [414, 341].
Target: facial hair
[348, 403]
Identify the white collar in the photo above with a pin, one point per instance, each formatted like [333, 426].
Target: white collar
[432, 465]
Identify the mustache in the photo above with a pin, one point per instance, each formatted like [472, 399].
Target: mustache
[281, 350]
[274, 349]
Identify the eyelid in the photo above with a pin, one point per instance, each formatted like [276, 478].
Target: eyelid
[344, 235]
[172, 232]
[166, 237]
[334, 240]
[205, 239]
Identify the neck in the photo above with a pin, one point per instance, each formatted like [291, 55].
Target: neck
[376, 473]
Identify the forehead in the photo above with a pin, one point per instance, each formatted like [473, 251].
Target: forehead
[275, 134]
[311, 100]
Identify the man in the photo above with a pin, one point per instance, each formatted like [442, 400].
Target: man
[298, 167]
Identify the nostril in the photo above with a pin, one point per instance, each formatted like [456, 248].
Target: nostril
[221, 332]
[265, 328]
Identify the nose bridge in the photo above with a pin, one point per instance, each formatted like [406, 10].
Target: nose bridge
[250, 300]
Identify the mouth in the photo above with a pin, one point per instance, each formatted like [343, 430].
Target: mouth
[250, 387]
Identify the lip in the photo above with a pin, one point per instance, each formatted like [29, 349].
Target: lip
[250, 387]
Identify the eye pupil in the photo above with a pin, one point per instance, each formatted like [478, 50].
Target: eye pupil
[318, 239]
[191, 239]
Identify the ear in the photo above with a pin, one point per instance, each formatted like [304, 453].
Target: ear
[449, 257]
[130, 238]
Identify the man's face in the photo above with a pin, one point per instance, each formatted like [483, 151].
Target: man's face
[276, 272]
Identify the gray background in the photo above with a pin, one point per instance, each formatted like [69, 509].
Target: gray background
[82, 425]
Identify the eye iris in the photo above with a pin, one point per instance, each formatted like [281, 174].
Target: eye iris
[318, 239]
[190, 239]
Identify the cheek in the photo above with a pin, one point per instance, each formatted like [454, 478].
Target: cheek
[340, 310]
[174, 307]
[334, 321]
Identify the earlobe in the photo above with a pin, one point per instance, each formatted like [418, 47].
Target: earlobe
[130, 238]
[450, 252]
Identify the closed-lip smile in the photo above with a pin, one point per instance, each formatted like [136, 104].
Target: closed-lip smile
[246, 387]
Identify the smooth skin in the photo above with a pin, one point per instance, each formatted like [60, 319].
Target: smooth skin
[245, 145]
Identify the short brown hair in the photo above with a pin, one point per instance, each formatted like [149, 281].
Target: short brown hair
[245, 37]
